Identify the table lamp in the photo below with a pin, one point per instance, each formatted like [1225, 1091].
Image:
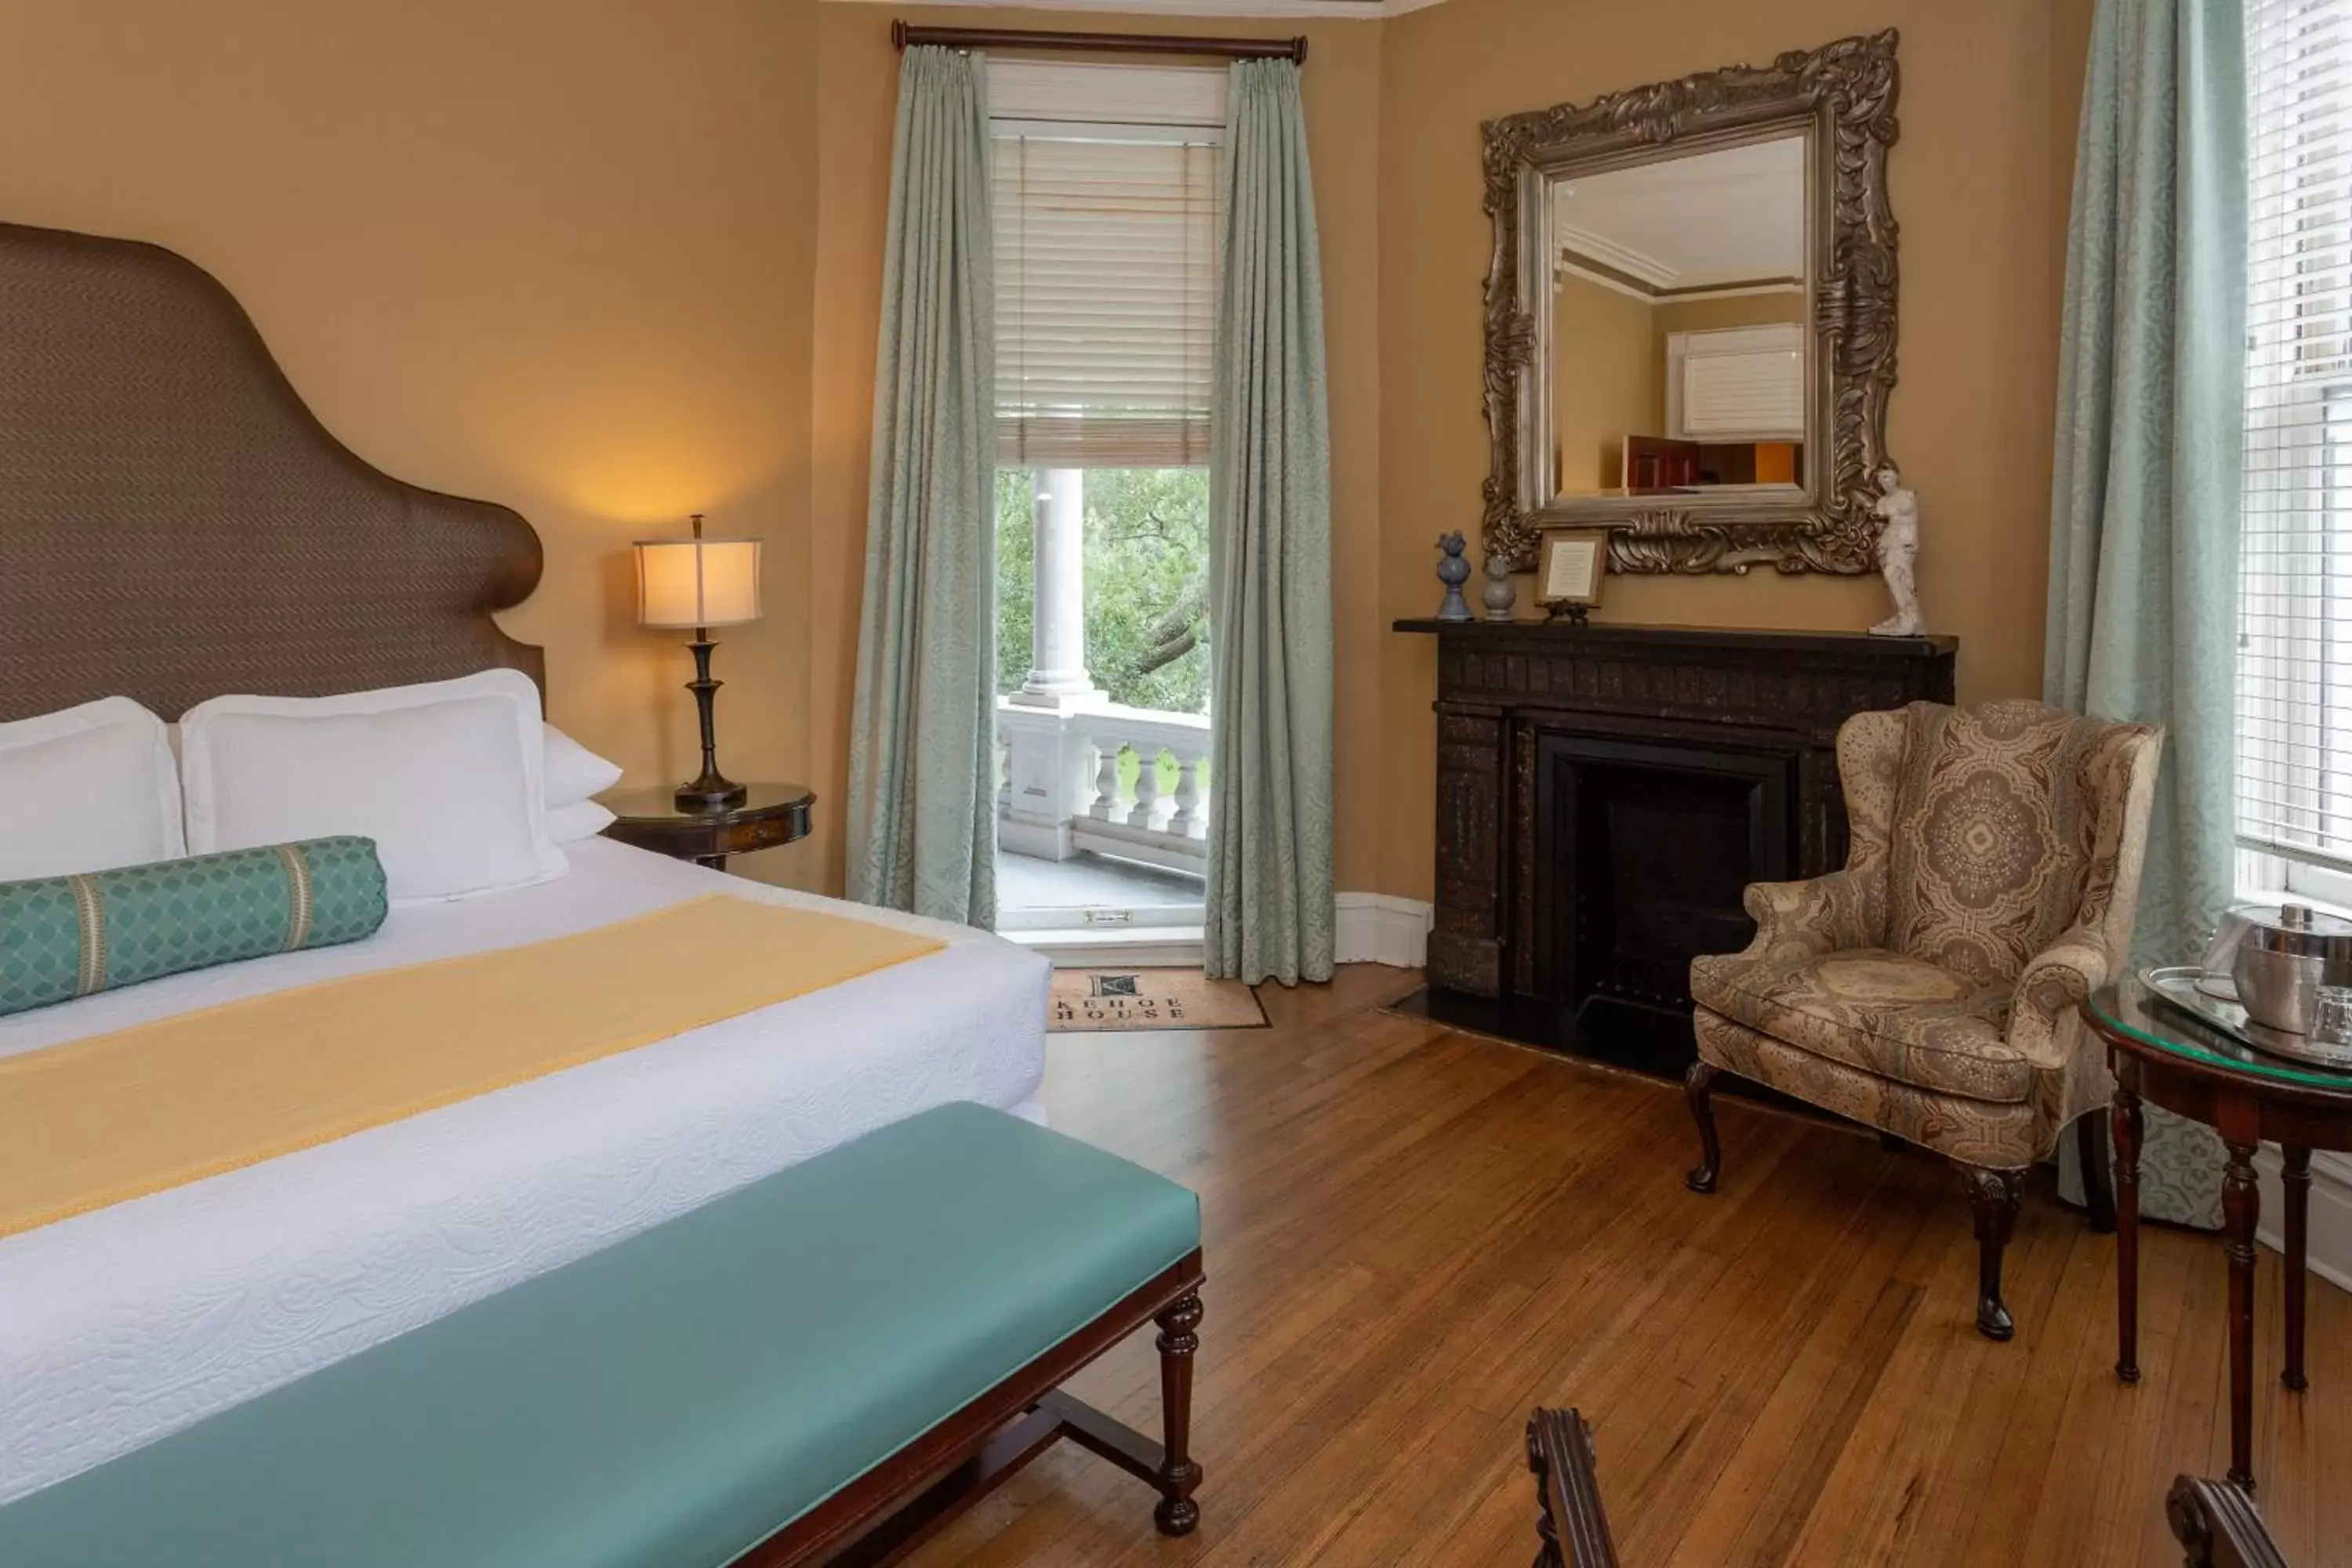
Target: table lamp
[701, 583]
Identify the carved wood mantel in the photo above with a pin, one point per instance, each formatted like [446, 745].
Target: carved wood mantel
[1503, 689]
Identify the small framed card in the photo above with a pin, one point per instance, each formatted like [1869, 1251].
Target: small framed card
[1568, 572]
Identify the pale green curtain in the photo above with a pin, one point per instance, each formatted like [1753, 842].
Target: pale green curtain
[921, 810]
[2143, 527]
[1270, 908]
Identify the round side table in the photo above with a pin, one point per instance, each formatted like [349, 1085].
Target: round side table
[651, 818]
[2167, 1058]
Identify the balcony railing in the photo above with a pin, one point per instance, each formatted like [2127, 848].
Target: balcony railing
[1065, 749]
[1063, 787]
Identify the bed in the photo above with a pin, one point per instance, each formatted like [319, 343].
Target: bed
[174, 524]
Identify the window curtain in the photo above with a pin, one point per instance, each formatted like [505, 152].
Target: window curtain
[921, 810]
[2143, 526]
[1270, 901]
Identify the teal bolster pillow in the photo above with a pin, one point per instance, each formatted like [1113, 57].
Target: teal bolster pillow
[63, 937]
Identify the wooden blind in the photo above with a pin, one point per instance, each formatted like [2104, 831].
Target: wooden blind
[1737, 383]
[2294, 584]
[1105, 263]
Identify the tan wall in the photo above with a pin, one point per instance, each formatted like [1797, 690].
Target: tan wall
[1604, 382]
[591, 258]
[1978, 184]
[858, 73]
[552, 252]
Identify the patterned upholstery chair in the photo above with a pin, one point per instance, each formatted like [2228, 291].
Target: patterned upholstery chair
[1930, 988]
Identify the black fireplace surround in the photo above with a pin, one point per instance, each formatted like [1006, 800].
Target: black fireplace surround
[1605, 794]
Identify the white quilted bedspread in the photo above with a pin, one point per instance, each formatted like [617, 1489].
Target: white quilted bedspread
[120, 1326]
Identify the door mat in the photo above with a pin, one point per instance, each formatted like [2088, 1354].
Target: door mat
[1091, 1000]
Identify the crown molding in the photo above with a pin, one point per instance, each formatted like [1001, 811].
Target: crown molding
[1582, 244]
[1328, 10]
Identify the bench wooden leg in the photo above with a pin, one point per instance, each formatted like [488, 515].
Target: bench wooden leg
[1178, 1514]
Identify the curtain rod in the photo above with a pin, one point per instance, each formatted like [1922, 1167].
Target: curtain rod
[1291, 49]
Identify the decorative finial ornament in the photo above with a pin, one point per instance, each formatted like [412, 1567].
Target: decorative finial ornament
[1898, 507]
[1452, 571]
[1498, 594]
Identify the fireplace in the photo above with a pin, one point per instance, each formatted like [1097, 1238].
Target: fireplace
[1605, 793]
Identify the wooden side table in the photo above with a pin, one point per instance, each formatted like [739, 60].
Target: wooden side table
[2163, 1056]
[771, 814]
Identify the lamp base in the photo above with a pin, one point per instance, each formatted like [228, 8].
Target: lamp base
[709, 793]
[711, 790]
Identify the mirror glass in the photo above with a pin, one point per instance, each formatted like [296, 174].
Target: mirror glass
[1678, 342]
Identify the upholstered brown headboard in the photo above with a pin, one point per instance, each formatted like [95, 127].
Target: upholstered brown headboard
[175, 522]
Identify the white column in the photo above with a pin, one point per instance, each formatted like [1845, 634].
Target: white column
[1057, 634]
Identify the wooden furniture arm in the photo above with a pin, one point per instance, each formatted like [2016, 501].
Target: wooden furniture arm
[2217, 1524]
[2045, 1021]
[1569, 1521]
[1805, 920]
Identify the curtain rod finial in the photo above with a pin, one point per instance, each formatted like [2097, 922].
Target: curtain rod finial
[1298, 49]
[898, 33]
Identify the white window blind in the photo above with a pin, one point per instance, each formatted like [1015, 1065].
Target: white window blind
[2295, 582]
[1736, 381]
[1106, 222]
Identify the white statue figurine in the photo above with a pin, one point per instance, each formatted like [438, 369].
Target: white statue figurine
[1898, 549]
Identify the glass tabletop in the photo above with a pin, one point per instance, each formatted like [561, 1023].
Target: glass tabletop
[659, 802]
[2131, 1008]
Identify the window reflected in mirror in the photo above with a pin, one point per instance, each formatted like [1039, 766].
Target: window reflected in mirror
[1678, 331]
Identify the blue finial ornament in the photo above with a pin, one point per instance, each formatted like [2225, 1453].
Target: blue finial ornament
[1452, 571]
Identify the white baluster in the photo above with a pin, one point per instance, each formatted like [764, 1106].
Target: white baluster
[1003, 775]
[1191, 819]
[1151, 810]
[1105, 805]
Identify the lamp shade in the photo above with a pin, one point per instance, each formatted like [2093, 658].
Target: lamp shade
[697, 582]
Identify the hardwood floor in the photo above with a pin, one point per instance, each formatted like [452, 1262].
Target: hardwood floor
[1415, 1235]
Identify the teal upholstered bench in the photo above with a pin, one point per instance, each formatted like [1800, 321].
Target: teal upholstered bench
[824, 1365]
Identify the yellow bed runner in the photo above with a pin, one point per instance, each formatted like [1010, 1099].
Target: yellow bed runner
[115, 1117]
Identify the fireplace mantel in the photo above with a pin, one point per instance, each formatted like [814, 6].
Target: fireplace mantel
[1525, 709]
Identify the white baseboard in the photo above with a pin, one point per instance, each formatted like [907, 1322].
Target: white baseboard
[2331, 1213]
[1374, 928]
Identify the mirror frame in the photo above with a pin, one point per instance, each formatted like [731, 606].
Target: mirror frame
[1843, 96]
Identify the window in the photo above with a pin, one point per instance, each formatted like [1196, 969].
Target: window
[2294, 611]
[1105, 203]
[1105, 219]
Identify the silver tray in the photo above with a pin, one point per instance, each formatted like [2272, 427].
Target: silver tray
[2178, 985]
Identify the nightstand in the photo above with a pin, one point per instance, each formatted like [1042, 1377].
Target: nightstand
[771, 814]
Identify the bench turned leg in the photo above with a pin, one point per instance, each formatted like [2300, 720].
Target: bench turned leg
[1178, 1514]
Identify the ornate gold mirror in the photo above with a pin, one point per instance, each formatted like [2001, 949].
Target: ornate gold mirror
[1690, 317]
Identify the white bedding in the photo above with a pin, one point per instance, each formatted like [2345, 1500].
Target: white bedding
[119, 1326]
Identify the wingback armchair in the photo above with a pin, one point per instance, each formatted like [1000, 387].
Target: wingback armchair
[1930, 988]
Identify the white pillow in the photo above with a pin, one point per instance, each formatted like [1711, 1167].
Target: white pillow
[86, 789]
[573, 771]
[580, 819]
[445, 777]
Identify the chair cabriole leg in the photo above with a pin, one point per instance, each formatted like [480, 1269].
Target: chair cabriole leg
[1698, 1087]
[1992, 1199]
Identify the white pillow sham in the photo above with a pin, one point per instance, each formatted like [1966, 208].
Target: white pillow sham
[86, 789]
[580, 819]
[573, 771]
[447, 778]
